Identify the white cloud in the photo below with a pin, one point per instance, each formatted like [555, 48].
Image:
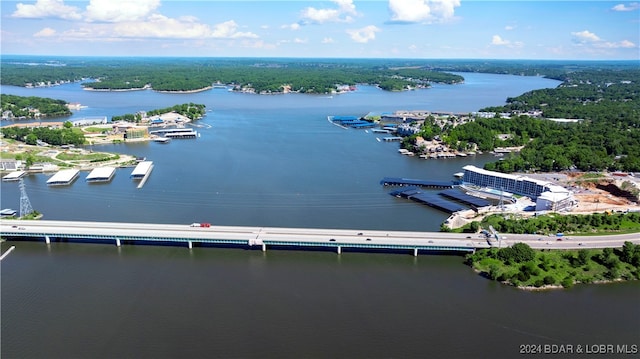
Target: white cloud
[427, 11]
[228, 29]
[159, 26]
[585, 36]
[120, 10]
[626, 44]
[46, 9]
[300, 41]
[294, 26]
[343, 13]
[327, 40]
[509, 27]
[363, 35]
[496, 40]
[46, 32]
[622, 7]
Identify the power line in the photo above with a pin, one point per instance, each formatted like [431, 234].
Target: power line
[25, 204]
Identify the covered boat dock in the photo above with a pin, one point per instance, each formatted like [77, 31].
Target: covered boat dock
[101, 174]
[14, 176]
[397, 181]
[430, 199]
[63, 177]
[467, 199]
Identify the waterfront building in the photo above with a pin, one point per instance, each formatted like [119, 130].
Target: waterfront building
[136, 132]
[555, 201]
[548, 196]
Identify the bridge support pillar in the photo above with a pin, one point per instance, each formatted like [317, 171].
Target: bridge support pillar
[415, 252]
[118, 244]
[47, 240]
[264, 247]
[339, 250]
[190, 245]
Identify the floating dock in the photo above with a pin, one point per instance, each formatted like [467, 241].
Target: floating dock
[14, 176]
[465, 198]
[8, 212]
[162, 139]
[351, 121]
[392, 139]
[175, 133]
[185, 134]
[101, 174]
[430, 199]
[63, 177]
[397, 181]
[142, 172]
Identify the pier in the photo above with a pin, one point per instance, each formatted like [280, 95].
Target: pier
[63, 177]
[430, 199]
[351, 121]
[142, 172]
[397, 181]
[14, 176]
[467, 199]
[175, 133]
[101, 174]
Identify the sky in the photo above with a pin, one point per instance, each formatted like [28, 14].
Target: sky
[416, 29]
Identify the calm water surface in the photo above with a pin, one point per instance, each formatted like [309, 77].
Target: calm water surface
[276, 161]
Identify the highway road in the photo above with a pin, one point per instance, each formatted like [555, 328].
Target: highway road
[283, 236]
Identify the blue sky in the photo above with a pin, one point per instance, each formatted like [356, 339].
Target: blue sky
[335, 28]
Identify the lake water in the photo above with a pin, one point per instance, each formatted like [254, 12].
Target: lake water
[277, 161]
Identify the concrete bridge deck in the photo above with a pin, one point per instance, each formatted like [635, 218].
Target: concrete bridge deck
[337, 239]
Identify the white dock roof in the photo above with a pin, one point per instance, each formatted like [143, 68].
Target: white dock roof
[14, 176]
[142, 168]
[103, 173]
[63, 176]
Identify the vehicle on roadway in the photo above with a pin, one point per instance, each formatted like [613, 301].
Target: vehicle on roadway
[204, 225]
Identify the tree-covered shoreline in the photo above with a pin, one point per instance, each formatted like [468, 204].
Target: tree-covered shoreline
[525, 268]
[32, 107]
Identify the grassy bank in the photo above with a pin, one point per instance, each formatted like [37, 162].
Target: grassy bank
[524, 267]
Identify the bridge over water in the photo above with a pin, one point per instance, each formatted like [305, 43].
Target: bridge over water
[247, 237]
[300, 238]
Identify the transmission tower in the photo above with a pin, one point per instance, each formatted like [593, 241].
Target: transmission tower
[25, 204]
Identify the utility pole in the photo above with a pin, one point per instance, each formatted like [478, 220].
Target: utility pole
[25, 204]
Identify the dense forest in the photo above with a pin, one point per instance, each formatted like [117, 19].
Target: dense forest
[53, 136]
[190, 110]
[603, 95]
[606, 138]
[33, 107]
[261, 76]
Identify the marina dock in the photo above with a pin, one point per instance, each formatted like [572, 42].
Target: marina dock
[430, 199]
[171, 133]
[63, 177]
[351, 121]
[397, 181]
[142, 172]
[14, 176]
[101, 174]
